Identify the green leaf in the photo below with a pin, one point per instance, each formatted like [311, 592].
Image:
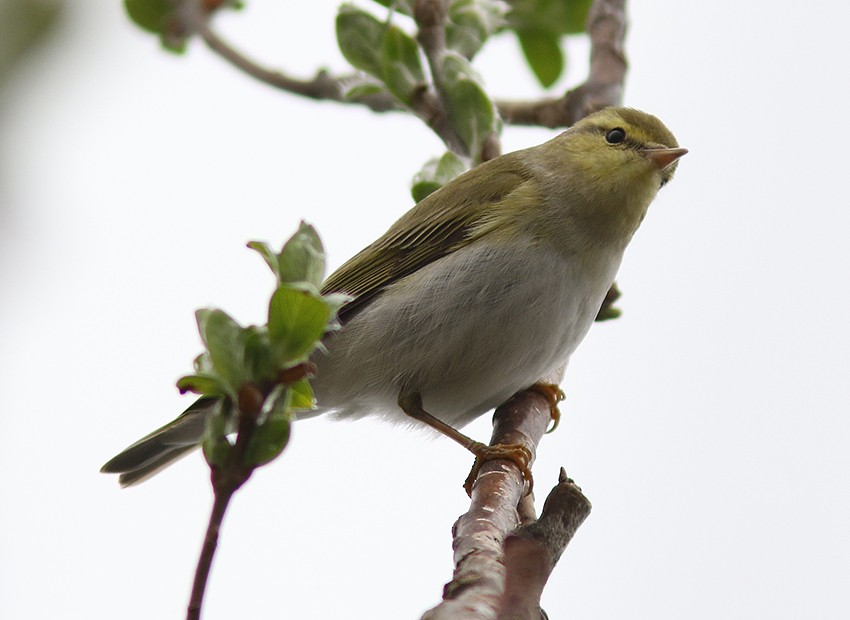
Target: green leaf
[456, 68]
[363, 90]
[559, 17]
[24, 25]
[471, 22]
[203, 384]
[215, 444]
[436, 173]
[268, 441]
[608, 314]
[302, 395]
[225, 344]
[472, 114]
[260, 360]
[359, 36]
[470, 110]
[271, 434]
[150, 15]
[401, 67]
[159, 17]
[302, 258]
[402, 6]
[540, 25]
[542, 50]
[575, 16]
[335, 301]
[269, 255]
[297, 320]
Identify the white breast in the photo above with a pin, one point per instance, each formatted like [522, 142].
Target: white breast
[466, 332]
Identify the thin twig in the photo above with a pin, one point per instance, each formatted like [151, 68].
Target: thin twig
[604, 86]
[202, 571]
[430, 18]
[226, 480]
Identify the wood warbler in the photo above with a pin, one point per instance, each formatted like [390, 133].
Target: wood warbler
[479, 291]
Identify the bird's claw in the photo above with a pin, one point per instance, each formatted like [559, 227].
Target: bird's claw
[516, 453]
[554, 395]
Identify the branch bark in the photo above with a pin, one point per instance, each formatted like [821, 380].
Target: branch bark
[478, 583]
[533, 549]
[606, 26]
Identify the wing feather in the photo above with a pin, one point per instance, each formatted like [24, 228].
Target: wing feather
[443, 222]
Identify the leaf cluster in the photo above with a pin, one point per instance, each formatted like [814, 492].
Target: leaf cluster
[262, 370]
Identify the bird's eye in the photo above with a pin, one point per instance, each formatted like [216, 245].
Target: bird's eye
[616, 135]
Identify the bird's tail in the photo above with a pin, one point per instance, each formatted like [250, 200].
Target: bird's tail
[162, 447]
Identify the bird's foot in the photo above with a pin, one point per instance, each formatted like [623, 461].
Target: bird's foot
[516, 453]
[554, 394]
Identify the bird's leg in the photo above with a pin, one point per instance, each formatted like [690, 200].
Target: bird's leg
[411, 404]
[554, 394]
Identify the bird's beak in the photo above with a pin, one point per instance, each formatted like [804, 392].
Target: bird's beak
[663, 157]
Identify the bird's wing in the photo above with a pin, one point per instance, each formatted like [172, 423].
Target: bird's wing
[443, 222]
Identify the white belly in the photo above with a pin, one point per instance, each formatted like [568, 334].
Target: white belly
[462, 333]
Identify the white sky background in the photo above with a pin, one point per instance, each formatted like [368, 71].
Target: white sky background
[708, 425]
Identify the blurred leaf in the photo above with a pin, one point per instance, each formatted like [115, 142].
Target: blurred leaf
[608, 314]
[364, 89]
[334, 301]
[560, 17]
[269, 255]
[297, 320]
[260, 361]
[607, 311]
[159, 17]
[150, 15]
[271, 434]
[540, 25]
[23, 25]
[401, 67]
[205, 385]
[436, 173]
[360, 36]
[471, 22]
[402, 6]
[302, 395]
[575, 16]
[162, 17]
[268, 440]
[456, 67]
[542, 51]
[215, 444]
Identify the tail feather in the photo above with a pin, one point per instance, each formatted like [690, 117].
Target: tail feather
[161, 448]
[142, 473]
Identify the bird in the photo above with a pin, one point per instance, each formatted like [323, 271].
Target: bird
[481, 290]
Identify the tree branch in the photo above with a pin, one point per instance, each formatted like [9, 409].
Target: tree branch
[606, 26]
[430, 18]
[477, 586]
[533, 549]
